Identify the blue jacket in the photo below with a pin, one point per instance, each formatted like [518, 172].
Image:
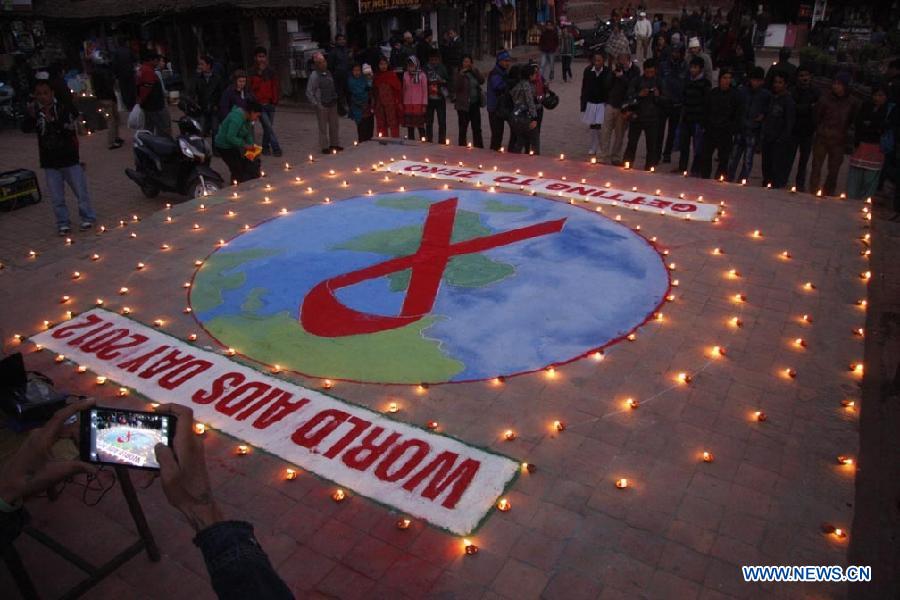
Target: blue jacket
[358, 89]
[495, 87]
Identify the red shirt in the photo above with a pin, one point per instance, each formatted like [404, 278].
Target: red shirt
[264, 86]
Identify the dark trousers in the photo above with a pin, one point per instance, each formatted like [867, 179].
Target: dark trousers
[689, 132]
[465, 118]
[775, 162]
[526, 141]
[496, 124]
[241, 168]
[650, 129]
[803, 144]
[715, 140]
[365, 129]
[567, 67]
[669, 122]
[436, 106]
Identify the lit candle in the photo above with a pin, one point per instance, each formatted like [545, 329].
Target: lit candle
[243, 450]
[509, 435]
[199, 428]
[622, 483]
[631, 403]
[503, 505]
[403, 524]
[290, 474]
[707, 457]
[339, 495]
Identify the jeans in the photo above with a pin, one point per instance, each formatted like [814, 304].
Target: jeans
[690, 132]
[650, 130]
[775, 165]
[56, 185]
[744, 147]
[567, 67]
[548, 65]
[715, 139]
[465, 117]
[803, 143]
[267, 119]
[328, 126]
[439, 106]
[497, 125]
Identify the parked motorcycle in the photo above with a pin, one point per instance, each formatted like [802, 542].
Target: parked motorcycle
[177, 165]
[11, 108]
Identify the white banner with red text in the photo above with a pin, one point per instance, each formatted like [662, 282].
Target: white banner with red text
[423, 474]
[573, 191]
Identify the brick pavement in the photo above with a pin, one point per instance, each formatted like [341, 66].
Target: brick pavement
[680, 530]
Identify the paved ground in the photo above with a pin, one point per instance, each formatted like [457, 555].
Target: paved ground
[680, 531]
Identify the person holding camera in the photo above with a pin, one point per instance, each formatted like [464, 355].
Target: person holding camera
[645, 107]
[237, 565]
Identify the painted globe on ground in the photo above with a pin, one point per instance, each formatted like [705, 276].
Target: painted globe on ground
[428, 286]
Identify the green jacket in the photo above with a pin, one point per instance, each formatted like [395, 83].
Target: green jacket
[235, 131]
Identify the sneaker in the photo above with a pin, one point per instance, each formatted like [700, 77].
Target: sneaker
[63, 230]
[276, 153]
[85, 225]
[326, 150]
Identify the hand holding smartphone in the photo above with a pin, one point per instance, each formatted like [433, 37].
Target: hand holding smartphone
[115, 436]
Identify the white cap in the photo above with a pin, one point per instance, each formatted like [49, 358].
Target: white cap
[694, 42]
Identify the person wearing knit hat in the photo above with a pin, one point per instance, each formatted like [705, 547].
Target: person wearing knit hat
[695, 49]
[835, 111]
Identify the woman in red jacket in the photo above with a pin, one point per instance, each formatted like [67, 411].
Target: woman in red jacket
[388, 100]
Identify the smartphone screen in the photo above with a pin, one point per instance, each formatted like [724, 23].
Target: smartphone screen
[124, 437]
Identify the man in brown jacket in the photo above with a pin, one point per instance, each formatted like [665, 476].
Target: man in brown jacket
[834, 113]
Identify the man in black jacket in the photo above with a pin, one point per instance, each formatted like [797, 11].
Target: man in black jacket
[777, 128]
[615, 123]
[647, 99]
[208, 90]
[693, 117]
[56, 124]
[723, 116]
[594, 93]
[805, 96]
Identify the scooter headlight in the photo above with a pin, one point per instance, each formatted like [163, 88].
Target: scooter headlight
[186, 149]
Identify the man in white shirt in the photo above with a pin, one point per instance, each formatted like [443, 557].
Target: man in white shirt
[643, 31]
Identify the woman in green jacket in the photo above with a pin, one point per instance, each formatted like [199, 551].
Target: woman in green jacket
[235, 138]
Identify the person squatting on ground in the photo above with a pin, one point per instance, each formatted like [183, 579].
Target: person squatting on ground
[359, 95]
[693, 118]
[777, 129]
[615, 121]
[835, 111]
[415, 99]
[265, 90]
[438, 78]
[594, 93]
[496, 87]
[867, 160]
[754, 105]
[321, 91]
[468, 103]
[388, 96]
[525, 134]
[235, 138]
[723, 116]
[805, 98]
[56, 124]
[237, 565]
[647, 97]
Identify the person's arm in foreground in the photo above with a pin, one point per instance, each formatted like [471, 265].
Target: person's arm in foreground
[32, 469]
[238, 567]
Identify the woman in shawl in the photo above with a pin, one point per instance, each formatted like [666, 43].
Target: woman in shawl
[415, 98]
[359, 88]
[388, 97]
